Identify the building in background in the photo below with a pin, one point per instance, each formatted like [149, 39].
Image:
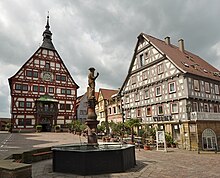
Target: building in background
[43, 91]
[172, 89]
[82, 104]
[114, 110]
[102, 104]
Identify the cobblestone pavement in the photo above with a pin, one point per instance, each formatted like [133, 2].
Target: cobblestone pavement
[174, 163]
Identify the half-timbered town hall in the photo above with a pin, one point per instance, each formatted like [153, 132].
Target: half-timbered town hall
[43, 91]
[171, 89]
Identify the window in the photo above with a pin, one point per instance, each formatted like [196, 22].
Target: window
[41, 88]
[133, 80]
[141, 60]
[206, 107]
[158, 91]
[109, 110]
[174, 108]
[21, 104]
[66, 91]
[215, 108]
[138, 112]
[136, 95]
[217, 89]
[172, 87]
[68, 107]
[114, 110]
[160, 110]
[126, 99]
[207, 87]
[195, 107]
[35, 88]
[28, 104]
[30, 73]
[145, 74]
[62, 106]
[51, 90]
[160, 69]
[27, 121]
[146, 92]
[196, 85]
[61, 78]
[128, 113]
[21, 87]
[47, 65]
[148, 111]
[21, 122]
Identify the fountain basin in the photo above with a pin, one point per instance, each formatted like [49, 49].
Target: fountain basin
[86, 159]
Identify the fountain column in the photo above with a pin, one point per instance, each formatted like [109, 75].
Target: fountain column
[91, 120]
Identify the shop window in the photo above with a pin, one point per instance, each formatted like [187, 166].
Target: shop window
[172, 87]
[207, 87]
[196, 85]
[209, 141]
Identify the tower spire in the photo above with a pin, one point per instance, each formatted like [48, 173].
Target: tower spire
[47, 36]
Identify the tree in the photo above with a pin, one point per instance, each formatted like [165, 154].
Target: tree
[130, 124]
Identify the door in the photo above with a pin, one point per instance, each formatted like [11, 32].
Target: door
[209, 141]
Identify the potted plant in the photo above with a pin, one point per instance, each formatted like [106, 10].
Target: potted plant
[56, 128]
[38, 128]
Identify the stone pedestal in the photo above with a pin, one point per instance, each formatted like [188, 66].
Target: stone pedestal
[91, 122]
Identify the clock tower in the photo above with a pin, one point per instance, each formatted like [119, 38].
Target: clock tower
[43, 91]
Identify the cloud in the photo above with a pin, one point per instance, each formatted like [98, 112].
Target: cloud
[101, 34]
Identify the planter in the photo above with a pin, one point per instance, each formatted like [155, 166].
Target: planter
[146, 147]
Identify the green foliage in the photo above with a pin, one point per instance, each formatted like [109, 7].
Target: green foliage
[169, 138]
[77, 126]
[130, 124]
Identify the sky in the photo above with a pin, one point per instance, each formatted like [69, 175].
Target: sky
[101, 34]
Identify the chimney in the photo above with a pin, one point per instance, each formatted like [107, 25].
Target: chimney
[167, 40]
[181, 45]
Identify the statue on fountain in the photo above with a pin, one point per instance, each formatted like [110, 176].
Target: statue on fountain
[91, 121]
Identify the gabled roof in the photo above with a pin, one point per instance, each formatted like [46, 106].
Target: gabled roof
[47, 44]
[107, 93]
[185, 61]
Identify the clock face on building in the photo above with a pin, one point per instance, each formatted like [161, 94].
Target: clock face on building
[47, 76]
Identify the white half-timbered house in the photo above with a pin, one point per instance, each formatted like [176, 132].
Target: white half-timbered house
[174, 90]
[43, 91]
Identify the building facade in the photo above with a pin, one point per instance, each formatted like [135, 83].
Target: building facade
[166, 85]
[43, 91]
[114, 109]
[102, 104]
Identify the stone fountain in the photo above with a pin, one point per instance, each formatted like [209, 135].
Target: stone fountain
[93, 158]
